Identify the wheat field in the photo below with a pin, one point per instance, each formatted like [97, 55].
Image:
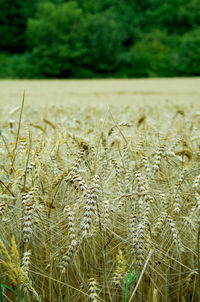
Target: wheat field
[100, 191]
[92, 92]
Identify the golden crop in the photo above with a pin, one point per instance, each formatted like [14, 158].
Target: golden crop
[90, 192]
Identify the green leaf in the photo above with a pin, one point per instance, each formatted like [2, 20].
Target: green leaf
[130, 278]
[5, 286]
[1, 294]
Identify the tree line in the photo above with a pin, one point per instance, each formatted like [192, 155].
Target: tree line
[99, 38]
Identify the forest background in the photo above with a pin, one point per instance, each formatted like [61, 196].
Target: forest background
[99, 38]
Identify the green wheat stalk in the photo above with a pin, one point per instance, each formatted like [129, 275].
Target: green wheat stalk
[1, 293]
[5, 286]
[130, 278]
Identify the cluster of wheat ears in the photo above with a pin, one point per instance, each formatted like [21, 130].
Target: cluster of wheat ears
[100, 204]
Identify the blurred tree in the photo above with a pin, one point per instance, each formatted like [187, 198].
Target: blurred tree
[151, 56]
[189, 63]
[175, 17]
[189, 16]
[16, 66]
[104, 42]
[5, 69]
[98, 38]
[13, 20]
[56, 36]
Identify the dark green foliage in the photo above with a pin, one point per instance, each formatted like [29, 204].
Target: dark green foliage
[13, 20]
[104, 39]
[16, 66]
[56, 36]
[151, 56]
[190, 53]
[99, 38]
